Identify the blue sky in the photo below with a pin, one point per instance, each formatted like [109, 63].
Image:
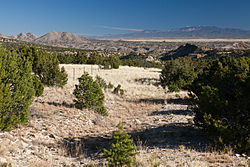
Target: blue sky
[97, 17]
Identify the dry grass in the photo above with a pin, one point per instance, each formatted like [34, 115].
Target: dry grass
[60, 135]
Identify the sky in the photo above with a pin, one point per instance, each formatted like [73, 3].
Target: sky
[99, 17]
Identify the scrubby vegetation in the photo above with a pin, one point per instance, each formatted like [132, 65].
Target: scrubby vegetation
[38, 86]
[22, 75]
[178, 74]
[103, 84]
[89, 95]
[45, 66]
[122, 151]
[108, 62]
[118, 90]
[220, 92]
[139, 60]
[5, 165]
[16, 89]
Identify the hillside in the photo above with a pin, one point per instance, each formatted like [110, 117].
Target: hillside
[3, 36]
[29, 37]
[60, 37]
[182, 51]
[58, 134]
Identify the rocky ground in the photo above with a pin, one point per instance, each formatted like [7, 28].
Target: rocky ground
[161, 125]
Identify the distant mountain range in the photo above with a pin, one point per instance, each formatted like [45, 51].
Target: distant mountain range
[198, 32]
[70, 40]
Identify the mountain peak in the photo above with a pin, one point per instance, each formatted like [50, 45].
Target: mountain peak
[25, 37]
[3, 36]
[60, 37]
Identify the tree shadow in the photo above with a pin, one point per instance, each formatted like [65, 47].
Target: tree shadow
[149, 101]
[175, 112]
[170, 136]
[179, 101]
[149, 81]
[63, 104]
[90, 146]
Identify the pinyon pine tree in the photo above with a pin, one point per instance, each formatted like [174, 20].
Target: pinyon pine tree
[122, 150]
[16, 89]
[89, 95]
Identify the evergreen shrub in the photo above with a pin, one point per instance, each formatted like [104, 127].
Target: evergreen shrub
[16, 89]
[122, 151]
[89, 94]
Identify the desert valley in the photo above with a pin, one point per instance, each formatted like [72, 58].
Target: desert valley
[116, 83]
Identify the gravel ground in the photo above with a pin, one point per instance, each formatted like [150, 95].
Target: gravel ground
[160, 124]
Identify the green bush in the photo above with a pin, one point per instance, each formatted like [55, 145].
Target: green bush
[80, 58]
[220, 92]
[110, 85]
[223, 96]
[95, 58]
[66, 58]
[16, 89]
[38, 86]
[89, 95]
[102, 83]
[122, 150]
[5, 164]
[61, 77]
[101, 110]
[138, 60]
[45, 66]
[114, 61]
[118, 90]
[178, 74]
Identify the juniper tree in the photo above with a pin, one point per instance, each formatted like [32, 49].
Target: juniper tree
[45, 66]
[16, 89]
[89, 95]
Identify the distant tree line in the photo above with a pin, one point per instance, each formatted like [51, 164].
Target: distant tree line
[93, 58]
[139, 60]
[108, 62]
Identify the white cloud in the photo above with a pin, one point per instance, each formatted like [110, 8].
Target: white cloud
[121, 28]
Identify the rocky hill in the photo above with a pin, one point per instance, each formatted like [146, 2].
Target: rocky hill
[3, 36]
[29, 37]
[237, 45]
[60, 37]
[182, 51]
